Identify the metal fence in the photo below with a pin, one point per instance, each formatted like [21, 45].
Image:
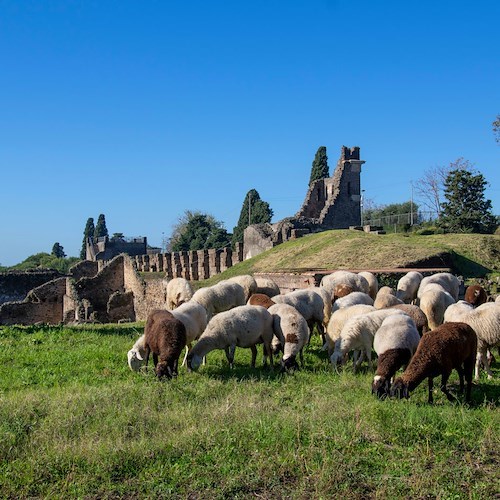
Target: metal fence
[410, 218]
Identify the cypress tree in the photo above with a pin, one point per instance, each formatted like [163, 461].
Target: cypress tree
[259, 213]
[88, 233]
[100, 228]
[319, 168]
[58, 251]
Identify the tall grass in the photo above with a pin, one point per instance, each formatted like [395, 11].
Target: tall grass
[76, 422]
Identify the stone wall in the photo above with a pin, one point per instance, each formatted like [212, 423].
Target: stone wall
[15, 285]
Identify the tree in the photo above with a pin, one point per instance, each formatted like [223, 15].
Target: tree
[466, 210]
[58, 251]
[496, 128]
[319, 168]
[100, 228]
[430, 188]
[197, 231]
[87, 233]
[389, 215]
[253, 211]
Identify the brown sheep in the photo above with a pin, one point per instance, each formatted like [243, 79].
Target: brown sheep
[447, 347]
[260, 299]
[341, 290]
[416, 314]
[165, 337]
[475, 295]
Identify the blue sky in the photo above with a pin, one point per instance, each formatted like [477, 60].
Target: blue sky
[143, 109]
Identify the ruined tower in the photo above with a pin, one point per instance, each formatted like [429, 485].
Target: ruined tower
[330, 203]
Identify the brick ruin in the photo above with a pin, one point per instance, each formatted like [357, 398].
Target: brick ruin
[330, 203]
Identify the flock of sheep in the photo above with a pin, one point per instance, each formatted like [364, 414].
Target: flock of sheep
[421, 325]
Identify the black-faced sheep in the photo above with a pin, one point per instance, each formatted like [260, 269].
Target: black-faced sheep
[291, 329]
[475, 295]
[449, 346]
[395, 342]
[243, 326]
[179, 291]
[165, 337]
[408, 285]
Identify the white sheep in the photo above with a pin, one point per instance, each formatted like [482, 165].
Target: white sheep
[308, 303]
[394, 342]
[338, 320]
[247, 282]
[242, 326]
[408, 285]
[372, 282]
[352, 299]
[497, 300]
[358, 333]
[434, 303]
[386, 297]
[485, 321]
[179, 290]
[291, 329]
[195, 319]
[267, 286]
[447, 280]
[455, 312]
[136, 354]
[355, 281]
[327, 303]
[221, 297]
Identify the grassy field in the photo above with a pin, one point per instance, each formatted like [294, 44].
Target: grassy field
[76, 422]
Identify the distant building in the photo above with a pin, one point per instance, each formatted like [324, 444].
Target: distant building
[106, 248]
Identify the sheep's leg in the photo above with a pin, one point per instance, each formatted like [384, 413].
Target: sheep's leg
[148, 350]
[468, 371]
[482, 358]
[230, 354]
[444, 380]
[461, 378]
[358, 361]
[188, 348]
[254, 356]
[321, 330]
[155, 358]
[430, 399]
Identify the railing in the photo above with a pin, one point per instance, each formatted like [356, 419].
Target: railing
[410, 218]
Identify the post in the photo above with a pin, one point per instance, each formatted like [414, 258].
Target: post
[411, 204]
[249, 210]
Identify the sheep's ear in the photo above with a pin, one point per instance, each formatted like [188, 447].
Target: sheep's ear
[138, 355]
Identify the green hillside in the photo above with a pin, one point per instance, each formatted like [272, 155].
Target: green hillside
[471, 255]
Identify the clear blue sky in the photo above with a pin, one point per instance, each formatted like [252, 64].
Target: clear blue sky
[143, 109]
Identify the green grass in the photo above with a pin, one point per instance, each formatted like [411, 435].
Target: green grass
[76, 422]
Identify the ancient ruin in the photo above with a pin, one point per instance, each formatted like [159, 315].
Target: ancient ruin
[331, 203]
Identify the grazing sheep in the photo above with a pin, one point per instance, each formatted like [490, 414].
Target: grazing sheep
[341, 290]
[485, 320]
[395, 342]
[308, 303]
[455, 312]
[165, 337]
[358, 333]
[372, 283]
[136, 354]
[243, 326]
[497, 300]
[386, 298]
[291, 329]
[267, 286]
[434, 303]
[352, 299]
[179, 291]
[327, 303]
[247, 282]
[407, 287]
[355, 281]
[221, 297]
[416, 314]
[338, 320]
[447, 280]
[449, 346]
[260, 299]
[475, 295]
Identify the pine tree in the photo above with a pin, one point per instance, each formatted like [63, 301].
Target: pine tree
[88, 233]
[58, 251]
[319, 168]
[259, 213]
[466, 210]
[100, 228]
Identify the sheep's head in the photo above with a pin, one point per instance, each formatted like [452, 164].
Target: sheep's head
[289, 364]
[135, 360]
[336, 359]
[400, 389]
[193, 362]
[163, 369]
[380, 386]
